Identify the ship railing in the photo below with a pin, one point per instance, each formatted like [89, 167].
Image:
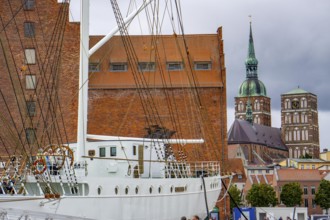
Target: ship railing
[191, 169]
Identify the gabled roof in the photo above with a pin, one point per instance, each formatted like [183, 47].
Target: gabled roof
[242, 132]
[298, 175]
[236, 166]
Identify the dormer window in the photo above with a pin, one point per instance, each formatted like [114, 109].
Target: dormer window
[146, 66]
[118, 67]
[203, 65]
[94, 67]
[172, 66]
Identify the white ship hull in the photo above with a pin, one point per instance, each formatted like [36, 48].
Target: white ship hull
[161, 203]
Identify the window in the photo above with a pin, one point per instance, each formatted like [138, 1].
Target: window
[306, 202]
[31, 108]
[313, 203]
[240, 106]
[303, 103]
[203, 65]
[252, 171]
[94, 67]
[30, 56]
[302, 167]
[174, 66]
[118, 67]
[313, 190]
[313, 167]
[267, 171]
[239, 176]
[287, 118]
[113, 151]
[30, 135]
[29, 30]
[287, 104]
[134, 150]
[296, 118]
[102, 151]
[146, 66]
[28, 4]
[30, 81]
[305, 190]
[257, 105]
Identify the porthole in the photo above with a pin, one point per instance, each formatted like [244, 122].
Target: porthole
[116, 190]
[126, 190]
[99, 189]
[159, 189]
[137, 190]
[150, 189]
[172, 189]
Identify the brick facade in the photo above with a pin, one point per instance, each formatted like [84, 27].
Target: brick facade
[115, 98]
[299, 122]
[55, 71]
[261, 109]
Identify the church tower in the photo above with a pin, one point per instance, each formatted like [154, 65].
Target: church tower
[299, 122]
[254, 91]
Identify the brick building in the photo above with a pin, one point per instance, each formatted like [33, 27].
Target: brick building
[120, 90]
[300, 125]
[39, 65]
[309, 181]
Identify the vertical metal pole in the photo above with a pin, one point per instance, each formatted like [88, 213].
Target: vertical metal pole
[83, 79]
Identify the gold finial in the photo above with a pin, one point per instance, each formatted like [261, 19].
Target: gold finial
[250, 16]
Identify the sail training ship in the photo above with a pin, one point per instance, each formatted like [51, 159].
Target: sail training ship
[45, 175]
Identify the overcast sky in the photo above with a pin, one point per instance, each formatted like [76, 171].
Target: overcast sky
[291, 39]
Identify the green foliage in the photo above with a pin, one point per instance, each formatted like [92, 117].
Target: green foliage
[306, 156]
[291, 194]
[261, 195]
[236, 195]
[322, 196]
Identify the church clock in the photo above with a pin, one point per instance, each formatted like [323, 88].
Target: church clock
[295, 104]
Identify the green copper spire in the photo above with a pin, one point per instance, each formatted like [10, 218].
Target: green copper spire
[251, 62]
[248, 113]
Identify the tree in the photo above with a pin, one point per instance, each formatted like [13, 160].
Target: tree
[235, 194]
[261, 195]
[291, 194]
[306, 156]
[322, 196]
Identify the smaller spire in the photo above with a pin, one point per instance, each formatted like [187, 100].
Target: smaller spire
[248, 112]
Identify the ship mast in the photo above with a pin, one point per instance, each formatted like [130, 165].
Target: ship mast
[83, 68]
[83, 79]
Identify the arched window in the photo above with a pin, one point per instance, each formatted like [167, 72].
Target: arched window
[306, 134]
[256, 119]
[287, 118]
[303, 117]
[290, 135]
[287, 104]
[240, 106]
[296, 117]
[286, 135]
[306, 118]
[256, 105]
[303, 103]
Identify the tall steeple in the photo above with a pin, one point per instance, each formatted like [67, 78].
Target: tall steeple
[251, 62]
